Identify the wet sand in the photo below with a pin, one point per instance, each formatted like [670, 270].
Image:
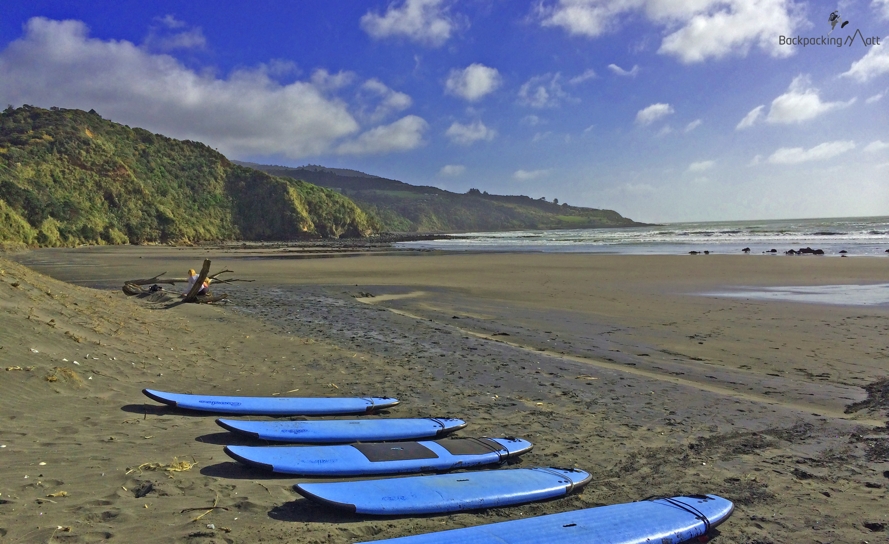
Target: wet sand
[620, 365]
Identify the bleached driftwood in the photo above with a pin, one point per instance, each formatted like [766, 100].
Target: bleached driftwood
[134, 287]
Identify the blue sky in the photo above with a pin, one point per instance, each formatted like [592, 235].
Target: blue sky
[664, 110]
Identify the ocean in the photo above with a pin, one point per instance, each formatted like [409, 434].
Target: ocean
[858, 236]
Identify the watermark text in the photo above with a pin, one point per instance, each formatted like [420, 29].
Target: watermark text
[830, 41]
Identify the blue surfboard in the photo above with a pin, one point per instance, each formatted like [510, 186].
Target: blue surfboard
[380, 457]
[272, 406]
[343, 431]
[446, 492]
[664, 521]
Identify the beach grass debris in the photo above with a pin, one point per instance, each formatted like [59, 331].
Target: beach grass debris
[58, 494]
[208, 510]
[175, 466]
[64, 374]
[26, 369]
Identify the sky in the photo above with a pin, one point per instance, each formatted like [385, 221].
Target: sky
[663, 110]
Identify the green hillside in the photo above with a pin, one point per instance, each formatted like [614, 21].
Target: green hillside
[69, 177]
[400, 207]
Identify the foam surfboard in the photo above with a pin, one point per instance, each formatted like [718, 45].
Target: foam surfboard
[272, 406]
[665, 521]
[446, 492]
[343, 431]
[380, 457]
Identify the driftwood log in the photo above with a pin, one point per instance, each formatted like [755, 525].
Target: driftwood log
[134, 287]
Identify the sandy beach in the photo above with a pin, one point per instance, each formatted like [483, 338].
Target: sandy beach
[624, 366]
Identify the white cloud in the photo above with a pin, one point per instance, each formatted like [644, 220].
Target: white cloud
[756, 160]
[542, 91]
[801, 103]
[821, 152]
[701, 166]
[160, 37]
[324, 80]
[665, 130]
[731, 27]
[587, 74]
[621, 72]
[875, 98]
[875, 146]
[541, 136]
[531, 120]
[652, 113]
[473, 82]
[388, 100]
[423, 21]
[693, 125]
[467, 134]
[170, 21]
[527, 175]
[451, 170]
[751, 118]
[402, 135]
[584, 17]
[56, 63]
[695, 30]
[874, 63]
[881, 7]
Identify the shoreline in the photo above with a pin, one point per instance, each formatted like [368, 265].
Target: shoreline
[604, 362]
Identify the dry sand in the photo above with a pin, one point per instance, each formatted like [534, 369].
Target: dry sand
[614, 364]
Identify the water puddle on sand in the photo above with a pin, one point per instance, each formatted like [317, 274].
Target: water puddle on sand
[846, 295]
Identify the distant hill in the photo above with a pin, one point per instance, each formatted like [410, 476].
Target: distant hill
[69, 177]
[400, 207]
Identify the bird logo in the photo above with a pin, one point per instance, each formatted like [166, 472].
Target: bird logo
[836, 19]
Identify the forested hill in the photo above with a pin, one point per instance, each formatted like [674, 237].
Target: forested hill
[408, 208]
[69, 177]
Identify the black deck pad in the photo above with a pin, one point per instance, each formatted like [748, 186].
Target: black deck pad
[394, 451]
[469, 446]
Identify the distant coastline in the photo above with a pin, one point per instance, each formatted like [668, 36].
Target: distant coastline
[857, 236]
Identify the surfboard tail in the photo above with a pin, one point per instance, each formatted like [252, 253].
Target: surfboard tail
[153, 395]
[351, 508]
[226, 424]
[250, 462]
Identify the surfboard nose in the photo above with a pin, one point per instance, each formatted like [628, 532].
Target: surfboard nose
[514, 446]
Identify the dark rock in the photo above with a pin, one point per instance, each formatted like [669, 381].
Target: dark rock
[144, 489]
[692, 252]
[746, 250]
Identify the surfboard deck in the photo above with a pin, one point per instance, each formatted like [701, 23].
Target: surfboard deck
[440, 493]
[665, 521]
[343, 431]
[272, 406]
[369, 458]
